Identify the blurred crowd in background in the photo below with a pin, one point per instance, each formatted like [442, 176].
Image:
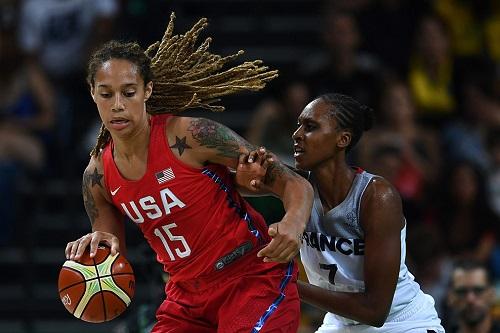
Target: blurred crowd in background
[429, 68]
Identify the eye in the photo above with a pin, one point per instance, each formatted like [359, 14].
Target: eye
[130, 93]
[309, 127]
[105, 95]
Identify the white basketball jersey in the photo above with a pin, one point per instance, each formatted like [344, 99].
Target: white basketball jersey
[333, 252]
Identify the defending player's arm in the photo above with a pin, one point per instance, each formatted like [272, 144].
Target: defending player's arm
[106, 220]
[211, 142]
[382, 221]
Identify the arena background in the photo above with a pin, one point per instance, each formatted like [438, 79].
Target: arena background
[438, 61]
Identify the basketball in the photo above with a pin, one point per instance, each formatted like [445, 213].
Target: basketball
[97, 289]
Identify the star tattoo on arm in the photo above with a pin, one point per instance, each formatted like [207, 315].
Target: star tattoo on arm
[96, 178]
[180, 145]
[90, 180]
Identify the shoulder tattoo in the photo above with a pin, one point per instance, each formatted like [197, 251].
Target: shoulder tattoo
[180, 145]
[89, 180]
[211, 134]
[96, 177]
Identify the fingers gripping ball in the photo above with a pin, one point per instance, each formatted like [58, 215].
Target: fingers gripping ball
[97, 289]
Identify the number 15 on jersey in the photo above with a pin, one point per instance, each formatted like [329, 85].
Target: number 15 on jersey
[171, 241]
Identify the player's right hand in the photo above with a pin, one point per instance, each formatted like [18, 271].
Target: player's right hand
[252, 168]
[75, 249]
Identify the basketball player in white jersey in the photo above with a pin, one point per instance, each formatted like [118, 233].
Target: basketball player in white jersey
[353, 247]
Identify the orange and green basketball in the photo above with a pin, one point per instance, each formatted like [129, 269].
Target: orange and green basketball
[97, 289]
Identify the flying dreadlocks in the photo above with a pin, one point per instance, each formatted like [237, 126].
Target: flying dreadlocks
[189, 77]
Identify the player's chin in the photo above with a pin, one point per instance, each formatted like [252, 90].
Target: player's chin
[300, 163]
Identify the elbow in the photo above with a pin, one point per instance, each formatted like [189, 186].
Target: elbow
[377, 318]
[377, 322]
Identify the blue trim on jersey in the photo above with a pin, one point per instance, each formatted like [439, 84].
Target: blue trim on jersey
[233, 204]
[270, 310]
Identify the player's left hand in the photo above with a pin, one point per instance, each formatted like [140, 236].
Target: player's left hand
[285, 243]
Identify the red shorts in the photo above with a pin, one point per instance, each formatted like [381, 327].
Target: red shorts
[265, 300]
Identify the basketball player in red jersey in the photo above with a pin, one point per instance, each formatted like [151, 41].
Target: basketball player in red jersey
[169, 175]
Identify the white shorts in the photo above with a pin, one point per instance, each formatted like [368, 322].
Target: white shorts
[419, 316]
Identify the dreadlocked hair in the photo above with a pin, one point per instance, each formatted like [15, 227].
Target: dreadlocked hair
[185, 76]
[350, 115]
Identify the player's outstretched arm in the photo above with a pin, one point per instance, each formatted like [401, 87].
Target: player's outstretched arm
[107, 222]
[211, 142]
[382, 220]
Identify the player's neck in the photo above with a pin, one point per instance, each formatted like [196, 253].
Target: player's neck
[334, 182]
[132, 146]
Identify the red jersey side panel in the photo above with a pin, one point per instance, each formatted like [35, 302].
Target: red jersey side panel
[193, 218]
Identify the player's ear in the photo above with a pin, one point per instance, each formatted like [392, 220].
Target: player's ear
[148, 90]
[344, 139]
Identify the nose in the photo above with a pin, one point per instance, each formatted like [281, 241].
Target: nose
[297, 134]
[470, 297]
[118, 104]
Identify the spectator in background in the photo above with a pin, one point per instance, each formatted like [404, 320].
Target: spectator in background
[431, 72]
[479, 111]
[493, 183]
[342, 68]
[474, 27]
[493, 147]
[471, 298]
[428, 260]
[464, 209]
[57, 37]
[411, 159]
[26, 117]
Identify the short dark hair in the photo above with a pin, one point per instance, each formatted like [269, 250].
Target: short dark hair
[350, 115]
[468, 264]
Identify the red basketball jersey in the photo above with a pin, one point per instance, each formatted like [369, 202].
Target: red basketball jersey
[193, 218]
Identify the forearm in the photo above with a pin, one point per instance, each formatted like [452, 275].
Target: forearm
[357, 306]
[297, 198]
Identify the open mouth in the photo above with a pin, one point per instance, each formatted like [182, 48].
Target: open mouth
[119, 121]
[298, 150]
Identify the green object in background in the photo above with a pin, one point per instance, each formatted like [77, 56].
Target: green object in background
[270, 207]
